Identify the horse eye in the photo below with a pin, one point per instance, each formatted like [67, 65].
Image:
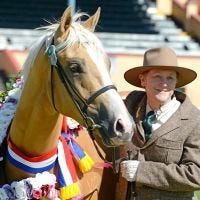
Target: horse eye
[75, 68]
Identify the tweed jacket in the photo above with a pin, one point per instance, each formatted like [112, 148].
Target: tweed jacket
[169, 165]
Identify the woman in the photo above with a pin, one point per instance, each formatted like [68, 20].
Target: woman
[165, 160]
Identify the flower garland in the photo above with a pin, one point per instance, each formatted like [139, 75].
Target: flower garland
[42, 186]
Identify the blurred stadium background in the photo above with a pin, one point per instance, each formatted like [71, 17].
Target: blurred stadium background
[126, 29]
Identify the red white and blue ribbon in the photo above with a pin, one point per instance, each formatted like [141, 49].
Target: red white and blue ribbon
[63, 155]
[32, 165]
[67, 177]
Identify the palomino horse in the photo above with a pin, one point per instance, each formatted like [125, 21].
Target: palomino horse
[67, 73]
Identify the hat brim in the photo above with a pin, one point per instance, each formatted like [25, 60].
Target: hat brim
[185, 75]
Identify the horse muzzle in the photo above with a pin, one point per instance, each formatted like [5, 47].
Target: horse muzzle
[116, 134]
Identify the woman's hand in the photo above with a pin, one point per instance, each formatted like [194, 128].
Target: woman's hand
[129, 169]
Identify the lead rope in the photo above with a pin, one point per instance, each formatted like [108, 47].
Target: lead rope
[115, 167]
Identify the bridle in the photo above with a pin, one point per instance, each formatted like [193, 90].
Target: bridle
[81, 103]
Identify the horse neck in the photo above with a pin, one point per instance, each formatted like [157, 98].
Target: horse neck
[36, 126]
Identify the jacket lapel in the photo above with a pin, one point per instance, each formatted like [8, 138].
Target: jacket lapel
[173, 123]
[140, 114]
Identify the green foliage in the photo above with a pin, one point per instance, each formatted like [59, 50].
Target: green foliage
[197, 194]
[9, 83]
[9, 86]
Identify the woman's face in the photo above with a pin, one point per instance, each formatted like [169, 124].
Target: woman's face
[159, 85]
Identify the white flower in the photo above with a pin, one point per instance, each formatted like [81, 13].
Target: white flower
[41, 179]
[20, 190]
[3, 119]
[72, 124]
[5, 112]
[9, 105]
[34, 182]
[15, 93]
[3, 195]
[46, 178]
[12, 92]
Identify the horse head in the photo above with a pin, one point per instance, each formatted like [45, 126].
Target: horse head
[81, 86]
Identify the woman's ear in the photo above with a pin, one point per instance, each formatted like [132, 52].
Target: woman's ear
[142, 80]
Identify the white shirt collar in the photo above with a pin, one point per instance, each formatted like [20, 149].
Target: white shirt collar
[171, 106]
[164, 113]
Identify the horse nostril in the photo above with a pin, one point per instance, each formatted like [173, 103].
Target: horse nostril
[120, 126]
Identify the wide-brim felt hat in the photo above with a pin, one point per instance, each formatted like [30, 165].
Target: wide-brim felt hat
[160, 58]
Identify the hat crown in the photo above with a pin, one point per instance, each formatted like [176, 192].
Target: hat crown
[160, 57]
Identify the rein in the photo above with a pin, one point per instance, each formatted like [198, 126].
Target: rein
[78, 100]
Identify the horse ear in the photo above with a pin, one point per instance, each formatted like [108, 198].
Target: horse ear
[92, 21]
[66, 20]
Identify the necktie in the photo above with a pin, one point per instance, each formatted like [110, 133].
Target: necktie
[147, 124]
